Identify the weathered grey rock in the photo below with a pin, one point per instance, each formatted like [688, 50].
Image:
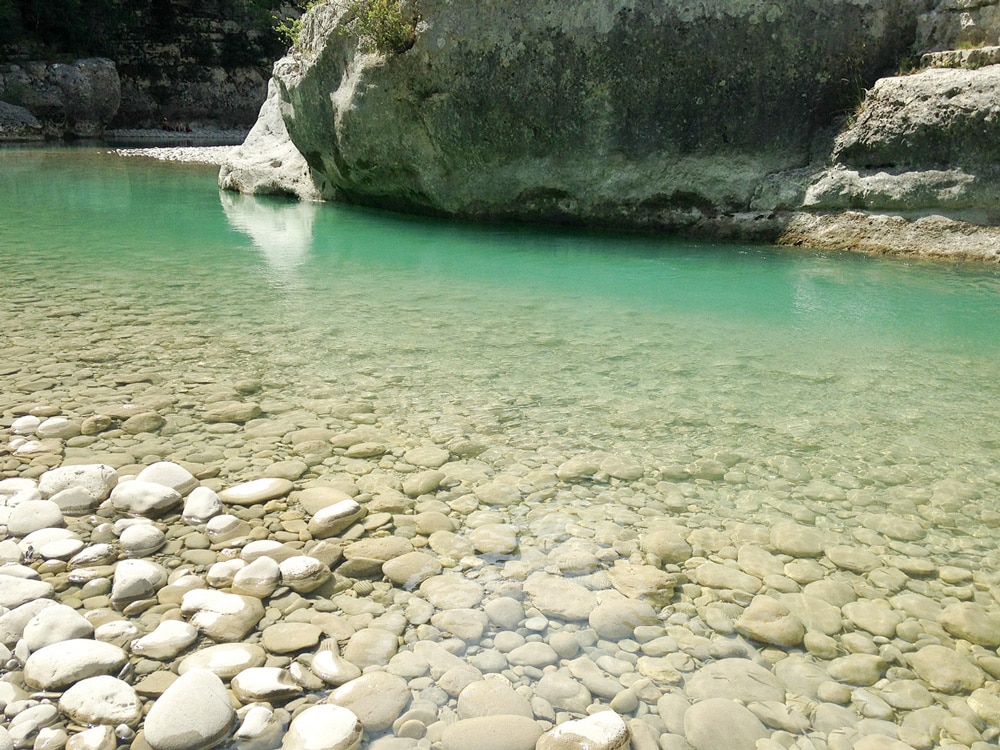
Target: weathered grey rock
[324, 727]
[194, 713]
[102, 699]
[76, 99]
[61, 664]
[18, 124]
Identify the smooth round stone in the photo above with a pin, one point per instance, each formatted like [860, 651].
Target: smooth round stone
[95, 554]
[221, 616]
[118, 632]
[97, 479]
[12, 623]
[260, 728]
[333, 519]
[717, 576]
[505, 612]
[289, 637]
[55, 624]
[334, 669]
[102, 700]
[874, 616]
[423, 482]
[30, 721]
[25, 425]
[170, 475]
[33, 515]
[96, 738]
[378, 548]
[722, 724]
[376, 698]
[945, 669]
[61, 664]
[622, 467]
[226, 528]
[148, 421]
[291, 469]
[135, 580]
[645, 582]
[451, 545]
[563, 692]
[558, 597]
[194, 713]
[201, 505]
[410, 570]
[533, 654]
[15, 591]
[226, 660]
[371, 647]
[314, 499]
[857, 669]
[492, 698]
[492, 733]
[270, 684]
[669, 544]
[302, 573]
[815, 614]
[324, 727]
[222, 574]
[256, 491]
[258, 579]
[450, 591]
[738, 679]
[59, 549]
[428, 522]
[141, 540]
[494, 539]
[972, 623]
[236, 412]
[267, 548]
[854, 559]
[427, 457]
[137, 498]
[579, 467]
[502, 491]
[605, 730]
[74, 501]
[769, 621]
[167, 640]
[790, 538]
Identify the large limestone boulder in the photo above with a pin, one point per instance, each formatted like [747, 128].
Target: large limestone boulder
[18, 124]
[630, 113]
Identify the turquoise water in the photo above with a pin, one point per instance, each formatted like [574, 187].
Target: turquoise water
[539, 343]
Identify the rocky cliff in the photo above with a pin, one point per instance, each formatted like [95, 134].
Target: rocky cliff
[722, 117]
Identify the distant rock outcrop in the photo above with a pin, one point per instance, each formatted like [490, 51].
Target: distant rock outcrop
[75, 99]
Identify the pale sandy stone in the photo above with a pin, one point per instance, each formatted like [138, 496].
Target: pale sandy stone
[264, 684]
[61, 664]
[491, 698]
[718, 576]
[644, 582]
[221, 616]
[616, 618]
[449, 590]
[604, 730]
[769, 621]
[875, 616]
[304, 573]
[492, 733]
[972, 622]
[166, 641]
[410, 570]
[170, 475]
[256, 491]
[794, 539]
[101, 700]
[194, 713]
[739, 679]
[144, 498]
[376, 698]
[945, 669]
[857, 669]
[324, 727]
[226, 660]
[722, 724]
[558, 597]
[669, 544]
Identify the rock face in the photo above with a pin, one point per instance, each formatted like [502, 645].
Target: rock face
[717, 118]
[75, 99]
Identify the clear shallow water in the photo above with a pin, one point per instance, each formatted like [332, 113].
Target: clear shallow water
[752, 384]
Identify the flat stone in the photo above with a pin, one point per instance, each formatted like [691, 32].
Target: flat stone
[492, 698]
[236, 412]
[194, 713]
[423, 482]
[333, 519]
[738, 679]
[221, 616]
[411, 569]
[169, 474]
[32, 515]
[717, 576]
[722, 724]
[291, 469]
[558, 597]
[604, 730]
[857, 669]
[492, 733]
[324, 727]
[875, 616]
[972, 622]
[563, 692]
[428, 456]
[258, 578]
[147, 421]
[166, 641]
[449, 591]
[137, 498]
[946, 670]
[256, 491]
[135, 580]
[55, 624]
[226, 660]
[289, 637]
[644, 582]
[371, 647]
[769, 621]
[265, 684]
[201, 505]
[102, 700]
[854, 559]
[669, 544]
[16, 591]
[376, 698]
[97, 479]
[61, 664]
[494, 539]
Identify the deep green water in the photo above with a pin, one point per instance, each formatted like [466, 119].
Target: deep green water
[546, 342]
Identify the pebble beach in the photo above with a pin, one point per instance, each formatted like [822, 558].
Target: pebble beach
[196, 555]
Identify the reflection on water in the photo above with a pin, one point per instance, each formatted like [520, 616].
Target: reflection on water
[281, 231]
